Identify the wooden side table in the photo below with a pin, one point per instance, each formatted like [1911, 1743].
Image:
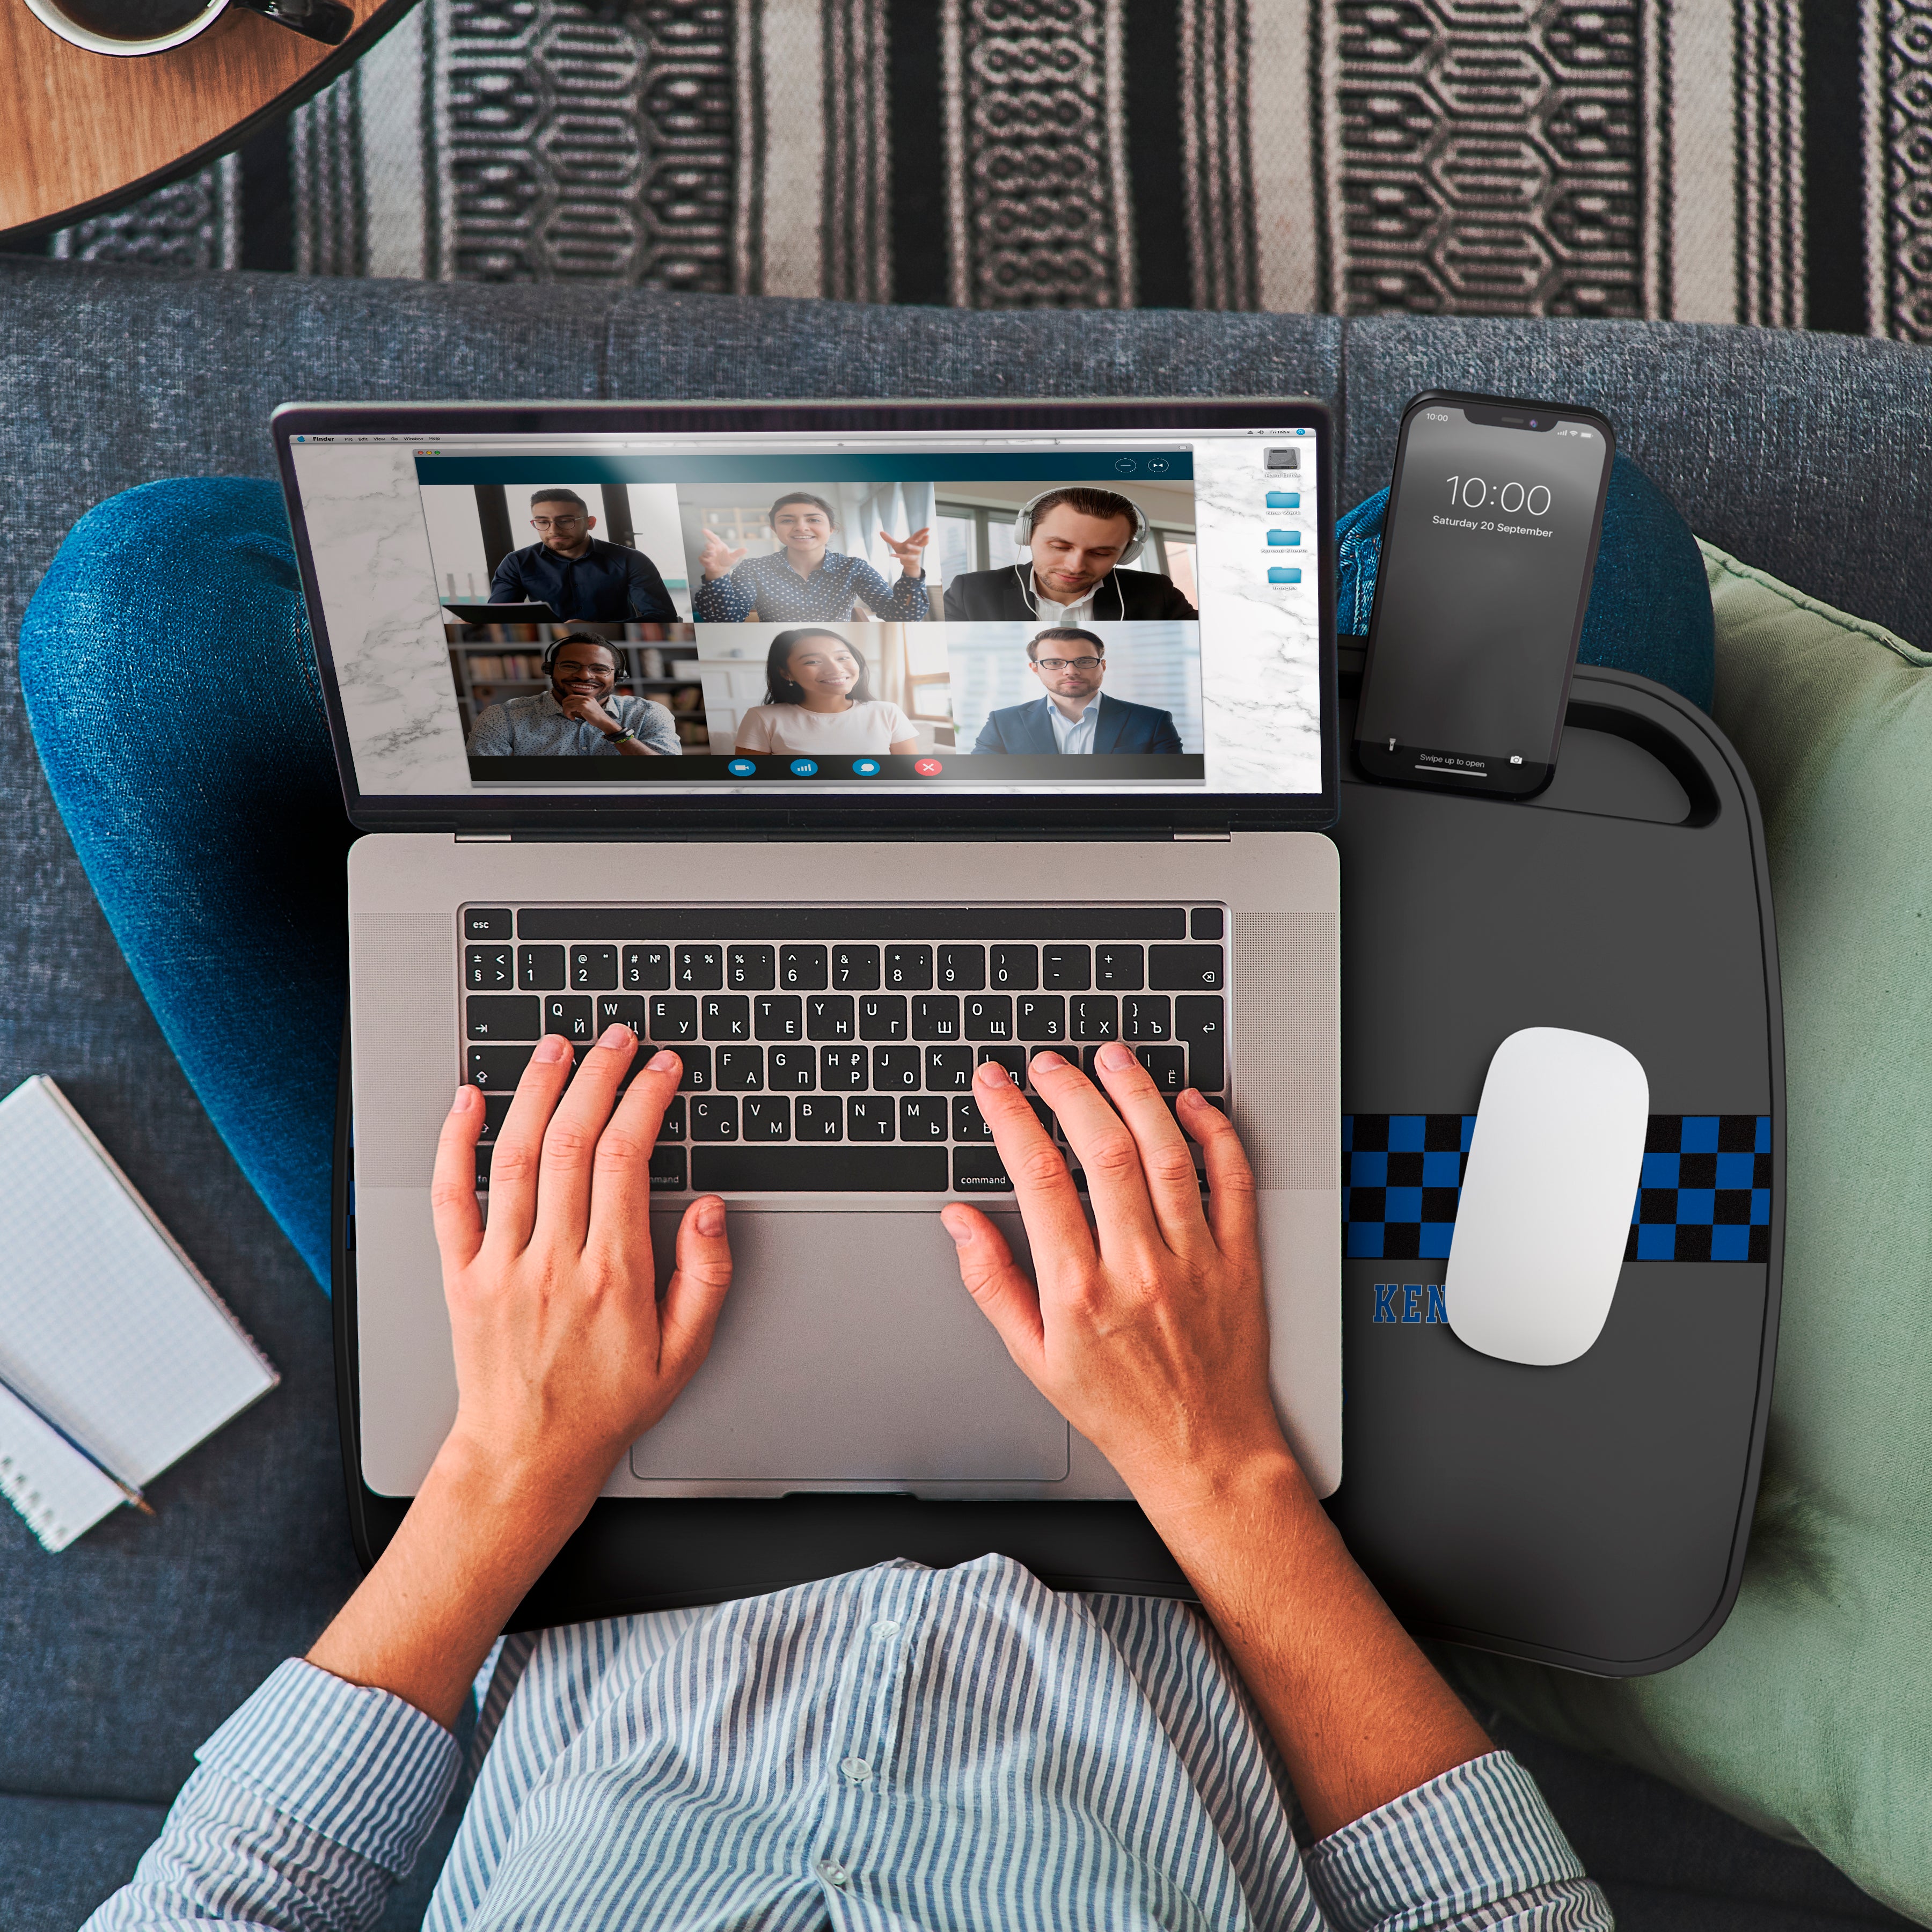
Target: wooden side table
[83, 132]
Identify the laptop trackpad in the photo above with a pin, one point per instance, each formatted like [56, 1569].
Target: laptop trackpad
[848, 1351]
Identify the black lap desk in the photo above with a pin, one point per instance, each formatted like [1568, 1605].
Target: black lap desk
[1595, 1515]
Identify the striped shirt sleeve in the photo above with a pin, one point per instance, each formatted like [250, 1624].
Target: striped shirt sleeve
[1475, 1847]
[309, 1802]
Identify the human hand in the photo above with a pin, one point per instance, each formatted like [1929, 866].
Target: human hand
[911, 553]
[564, 1354]
[1146, 1332]
[717, 558]
[579, 704]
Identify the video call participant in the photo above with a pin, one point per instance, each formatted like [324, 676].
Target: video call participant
[816, 703]
[804, 582]
[1075, 716]
[577, 575]
[1079, 539]
[579, 716]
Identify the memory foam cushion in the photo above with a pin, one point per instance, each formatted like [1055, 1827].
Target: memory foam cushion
[1809, 1713]
[1650, 611]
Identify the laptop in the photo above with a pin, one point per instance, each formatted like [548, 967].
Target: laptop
[889, 742]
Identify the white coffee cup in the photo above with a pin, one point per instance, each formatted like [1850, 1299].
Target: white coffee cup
[124, 27]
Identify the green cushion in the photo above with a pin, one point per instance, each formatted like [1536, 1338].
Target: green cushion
[1809, 1713]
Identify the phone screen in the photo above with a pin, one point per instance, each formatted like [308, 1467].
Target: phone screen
[1491, 538]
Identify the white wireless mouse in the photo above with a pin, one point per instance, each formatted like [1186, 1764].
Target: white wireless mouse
[1553, 1170]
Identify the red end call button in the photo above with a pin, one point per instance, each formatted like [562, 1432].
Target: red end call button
[928, 768]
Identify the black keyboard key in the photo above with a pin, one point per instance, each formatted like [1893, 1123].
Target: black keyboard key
[846, 1067]
[713, 1116]
[1094, 1016]
[697, 1076]
[935, 1016]
[792, 1069]
[830, 1016]
[1202, 1023]
[1169, 1065]
[1043, 1113]
[922, 1118]
[699, 969]
[593, 969]
[570, 1015]
[949, 1069]
[489, 969]
[801, 969]
[646, 969]
[819, 1118]
[1042, 1016]
[1184, 969]
[673, 1017]
[766, 1117]
[1118, 969]
[540, 968]
[484, 1151]
[778, 1016]
[496, 1069]
[896, 1068]
[738, 1069]
[751, 969]
[819, 1170]
[671, 1127]
[882, 1016]
[488, 922]
[979, 1170]
[1015, 968]
[968, 1123]
[725, 1016]
[963, 968]
[845, 923]
[1147, 1016]
[622, 1009]
[495, 1107]
[989, 1016]
[1013, 1058]
[1065, 969]
[668, 1171]
[908, 969]
[855, 969]
[869, 1117]
[1206, 922]
[502, 1016]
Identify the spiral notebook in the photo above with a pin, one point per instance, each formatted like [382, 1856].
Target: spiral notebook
[116, 1357]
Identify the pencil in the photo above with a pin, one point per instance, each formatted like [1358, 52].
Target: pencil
[128, 1489]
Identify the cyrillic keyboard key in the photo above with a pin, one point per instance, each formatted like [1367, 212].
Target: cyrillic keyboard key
[1118, 968]
[802, 968]
[504, 1016]
[1146, 1016]
[1200, 1022]
[489, 969]
[622, 1009]
[496, 1069]
[844, 1067]
[821, 1117]
[593, 969]
[968, 1123]
[751, 969]
[908, 969]
[697, 1077]
[1042, 1016]
[1206, 922]
[668, 1170]
[488, 922]
[791, 1069]
[829, 1016]
[819, 1170]
[699, 969]
[882, 1016]
[766, 1117]
[922, 1118]
[778, 1016]
[1184, 969]
[989, 1016]
[896, 1068]
[869, 1117]
[570, 1015]
[738, 1069]
[1169, 1065]
[935, 1016]
[540, 968]
[855, 969]
[979, 1170]
[725, 1016]
[949, 1069]
[495, 1106]
[963, 968]
[646, 969]
[1013, 1058]
[713, 1116]
[671, 1127]
[673, 1019]
[1065, 969]
[1094, 1016]
[1015, 968]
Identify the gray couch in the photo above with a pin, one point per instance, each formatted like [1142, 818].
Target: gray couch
[1797, 453]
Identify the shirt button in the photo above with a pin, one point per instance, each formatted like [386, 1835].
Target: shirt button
[832, 1871]
[857, 1769]
[885, 1627]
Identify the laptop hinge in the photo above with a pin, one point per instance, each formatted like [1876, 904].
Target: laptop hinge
[483, 838]
[1180, 838]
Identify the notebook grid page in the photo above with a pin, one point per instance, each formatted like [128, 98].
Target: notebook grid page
[56, 1489]
[103, 1327]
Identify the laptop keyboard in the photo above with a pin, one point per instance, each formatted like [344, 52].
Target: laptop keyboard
[831, 1049]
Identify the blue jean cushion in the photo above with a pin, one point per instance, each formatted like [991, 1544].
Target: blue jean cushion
[1650, 601]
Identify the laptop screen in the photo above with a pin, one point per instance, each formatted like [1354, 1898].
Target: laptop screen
[513, 614]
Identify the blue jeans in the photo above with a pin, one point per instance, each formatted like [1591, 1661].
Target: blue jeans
[173, 695]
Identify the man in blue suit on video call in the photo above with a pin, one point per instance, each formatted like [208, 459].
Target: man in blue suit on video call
[1074, 715]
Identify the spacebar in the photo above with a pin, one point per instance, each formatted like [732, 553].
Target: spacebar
[818, 1170]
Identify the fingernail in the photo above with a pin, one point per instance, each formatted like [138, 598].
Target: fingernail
[460, 1105]
[1050, 1061]
[1115, 1058]
[664, 1062]
[961, 1235]
[711, 1219]
[992, 1074]
[616, 1036]
[552, 1048]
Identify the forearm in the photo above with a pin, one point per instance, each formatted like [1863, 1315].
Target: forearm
[1359, 1715]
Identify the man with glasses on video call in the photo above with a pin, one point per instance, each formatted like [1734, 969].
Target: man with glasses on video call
[1074, 715]
[579, 576]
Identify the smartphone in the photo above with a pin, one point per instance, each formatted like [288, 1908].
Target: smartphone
[1494, 515]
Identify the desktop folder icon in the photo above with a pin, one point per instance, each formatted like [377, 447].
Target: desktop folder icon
[1284, 499]
[1284, 539]
[1282, 573]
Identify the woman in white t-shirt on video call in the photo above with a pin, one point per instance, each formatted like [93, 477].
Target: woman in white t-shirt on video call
[816, 701]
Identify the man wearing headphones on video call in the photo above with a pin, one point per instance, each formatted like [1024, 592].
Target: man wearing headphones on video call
[1079, 538]
[579, 714]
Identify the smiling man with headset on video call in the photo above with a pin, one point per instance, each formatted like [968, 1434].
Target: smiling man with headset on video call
[1079, 539]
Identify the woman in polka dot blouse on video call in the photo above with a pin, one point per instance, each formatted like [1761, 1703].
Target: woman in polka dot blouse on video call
[817, 701]
[804, 582]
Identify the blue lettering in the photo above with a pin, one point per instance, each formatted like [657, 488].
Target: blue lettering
[1412, 1302]
[1385, 1305]
[1438, 1309]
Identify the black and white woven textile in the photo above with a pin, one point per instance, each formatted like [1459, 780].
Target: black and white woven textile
[1754, 160]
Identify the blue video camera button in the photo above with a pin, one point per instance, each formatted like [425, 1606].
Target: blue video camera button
[741, 768]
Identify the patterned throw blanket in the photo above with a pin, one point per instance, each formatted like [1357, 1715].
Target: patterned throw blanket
[1751, 161]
